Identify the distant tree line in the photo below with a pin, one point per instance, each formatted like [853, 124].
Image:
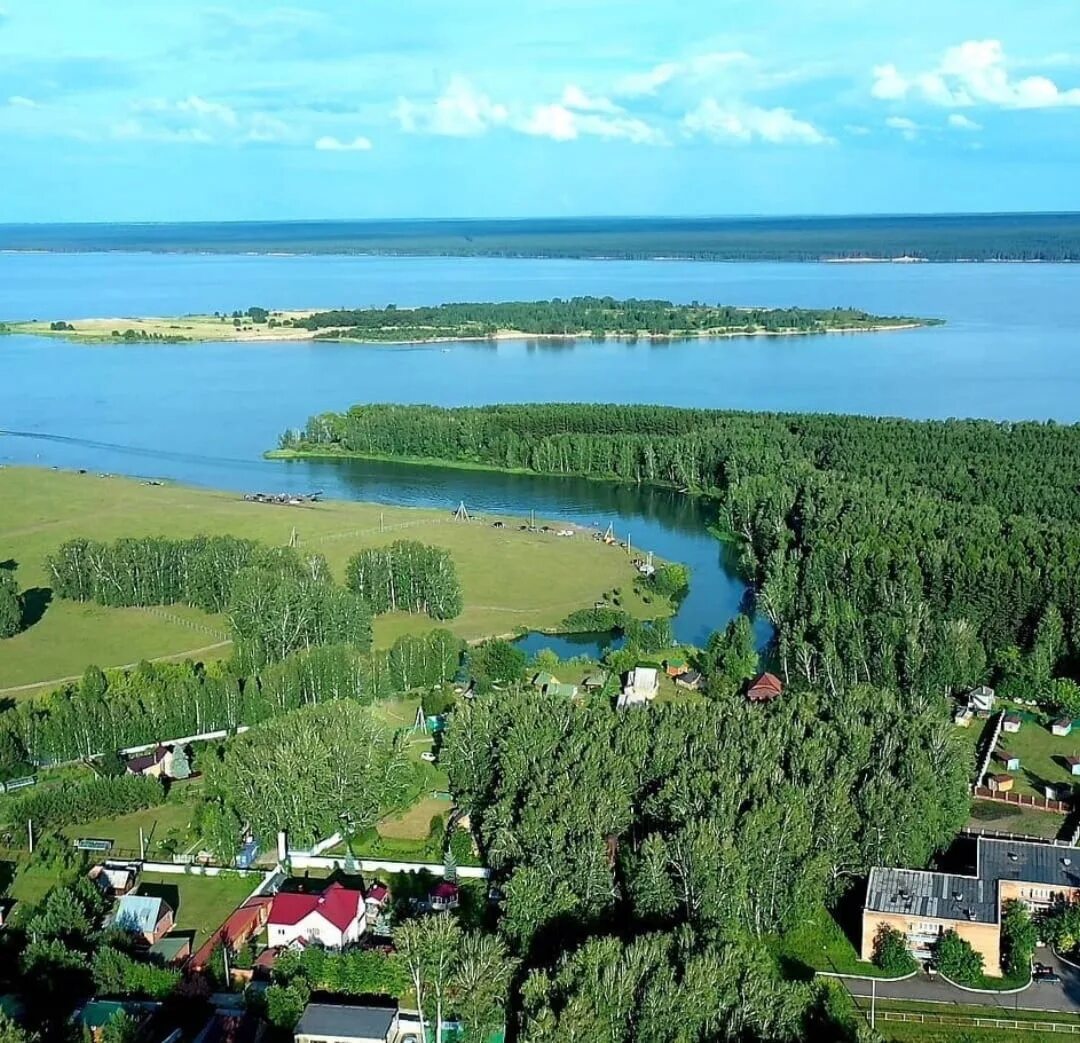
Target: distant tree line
[927, 555]
[406, 576]
[935, 237]
[596, 316]
[103, 713]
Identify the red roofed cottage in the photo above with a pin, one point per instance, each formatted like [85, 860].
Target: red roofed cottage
[334, 917]
[766, 688]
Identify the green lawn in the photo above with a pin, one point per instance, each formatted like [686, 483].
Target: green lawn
[511, 579]
[201, 903]
[1041, 755]
[1007, 818]
[820, 944]
[167, 827]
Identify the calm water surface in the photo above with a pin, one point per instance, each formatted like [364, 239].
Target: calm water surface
[204, 413]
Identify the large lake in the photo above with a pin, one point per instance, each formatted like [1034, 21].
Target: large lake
[204, 413]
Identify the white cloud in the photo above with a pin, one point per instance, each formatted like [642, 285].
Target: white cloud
[17, 101]
[962, 122]
[696, 68]
[198, 120]
[907, 127]
[973, 73]
[740, 122]
[857, 129]
[332, 144]
[461, 111]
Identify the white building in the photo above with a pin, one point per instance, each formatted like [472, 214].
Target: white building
[642, 686]
[332, 918]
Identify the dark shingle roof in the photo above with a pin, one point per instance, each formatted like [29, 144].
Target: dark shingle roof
[942, 895]
[949, 896]
[1030, 863]
[340, 1021]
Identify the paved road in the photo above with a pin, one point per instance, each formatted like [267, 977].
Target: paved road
[1063, 998]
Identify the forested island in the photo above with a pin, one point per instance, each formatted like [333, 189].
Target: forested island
[925, 237]
[596, 317]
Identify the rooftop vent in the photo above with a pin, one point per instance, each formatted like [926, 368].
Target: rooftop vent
[1013, 856]
[958, 896]
[970, 913]
[1066, 862]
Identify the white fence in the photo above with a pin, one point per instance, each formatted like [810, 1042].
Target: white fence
[203, 737]
[301, 860]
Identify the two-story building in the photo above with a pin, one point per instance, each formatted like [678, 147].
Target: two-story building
[923, 905]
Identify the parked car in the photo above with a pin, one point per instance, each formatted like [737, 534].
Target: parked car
[1047, 976]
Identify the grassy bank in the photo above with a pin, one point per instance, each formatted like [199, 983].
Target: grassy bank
[511, 579]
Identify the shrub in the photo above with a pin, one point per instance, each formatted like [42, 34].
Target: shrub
[957, 960]
[891, 952]
[85, 801]
[1019, 937]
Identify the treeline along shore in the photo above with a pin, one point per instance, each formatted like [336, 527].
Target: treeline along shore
[916, 554]
[597, 317]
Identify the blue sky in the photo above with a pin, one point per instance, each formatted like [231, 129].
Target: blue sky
[129, 110]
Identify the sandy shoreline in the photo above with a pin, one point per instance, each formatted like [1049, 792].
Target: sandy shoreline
[171, 331]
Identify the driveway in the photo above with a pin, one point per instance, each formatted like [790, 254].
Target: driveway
[1063, 998]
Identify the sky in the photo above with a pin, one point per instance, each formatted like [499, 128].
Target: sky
[177, 110]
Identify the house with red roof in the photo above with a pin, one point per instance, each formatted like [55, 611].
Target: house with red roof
[765, 689]
[334, 917]
[444, 896]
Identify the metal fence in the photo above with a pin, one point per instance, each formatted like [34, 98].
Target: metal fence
[957, 1020]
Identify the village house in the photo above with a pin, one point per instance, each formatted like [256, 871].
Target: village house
[1062, 726]
[923, 905]
[377, 900]
[115, 879]
[148, 919]
[963, 716]
[346, 1023]
[444, 896]
[331, 918]
[595, 681]
[1011, 723]
[1000, 783]
[691, 680]
[765, 688]
[641, 687]
[558, 690]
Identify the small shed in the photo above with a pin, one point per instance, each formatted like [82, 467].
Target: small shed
[676, 666]
[691, 679]
[981, 699]
[595, 681]
[1010, 761]
[1001, 783]
[543, 679]
[1062, 726]
[171, 950]
[1057, 790]
[963, 716]
[1012, 723]
[765, 688]
[1073, 764]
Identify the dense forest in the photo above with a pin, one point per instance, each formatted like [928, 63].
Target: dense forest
[934, 237]
[597, 316]
[406, 576]
[926, 555]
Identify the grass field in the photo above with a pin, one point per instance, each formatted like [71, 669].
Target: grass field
[1042, 755]
[511, 579]
[820, 944]
[1007, 818]
[201, 903]
[186, 327]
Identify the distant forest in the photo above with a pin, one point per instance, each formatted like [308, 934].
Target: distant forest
[596, 315]
[979, 237]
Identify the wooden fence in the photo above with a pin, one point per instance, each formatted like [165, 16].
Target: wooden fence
[1023, 800]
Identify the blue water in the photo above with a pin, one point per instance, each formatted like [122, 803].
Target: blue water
[204, 413]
